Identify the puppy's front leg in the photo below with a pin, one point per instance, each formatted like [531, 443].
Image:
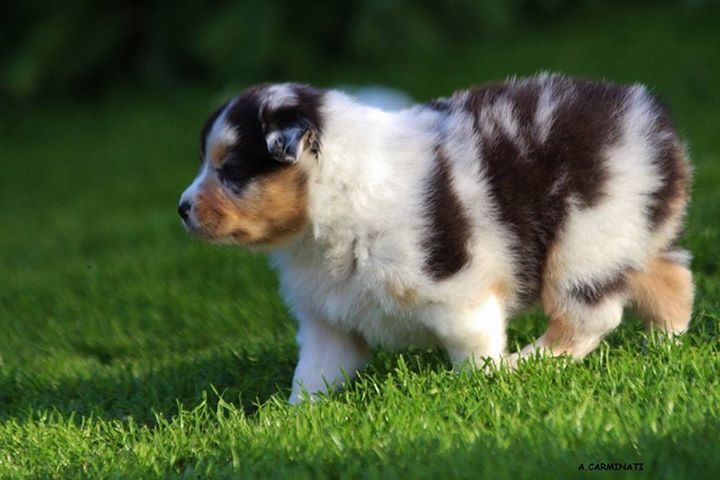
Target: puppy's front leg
[327, 355]
[473, 334]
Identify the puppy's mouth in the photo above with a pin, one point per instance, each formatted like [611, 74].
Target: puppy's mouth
[235, 237]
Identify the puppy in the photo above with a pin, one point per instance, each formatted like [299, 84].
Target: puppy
[433, 224]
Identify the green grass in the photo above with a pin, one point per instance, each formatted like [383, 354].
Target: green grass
[128, 349]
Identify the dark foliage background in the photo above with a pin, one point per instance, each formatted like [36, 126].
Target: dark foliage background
[82, 47]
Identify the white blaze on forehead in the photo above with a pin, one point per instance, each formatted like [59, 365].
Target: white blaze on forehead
[191, 192]
[221, 131]
[280, 96]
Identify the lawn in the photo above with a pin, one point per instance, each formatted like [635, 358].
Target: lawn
[130, 350]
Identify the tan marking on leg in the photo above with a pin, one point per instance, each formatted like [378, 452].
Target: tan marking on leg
[557, 339]
[663, 295]
[552, 272]
[574, 327]
[559, 336]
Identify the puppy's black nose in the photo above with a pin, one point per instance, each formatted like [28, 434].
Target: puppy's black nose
[184, 210]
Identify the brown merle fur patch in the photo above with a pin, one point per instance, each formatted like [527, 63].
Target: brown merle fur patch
[669, 200]
[534, 186]
[593, 292]
[590, 293]
[445, 245]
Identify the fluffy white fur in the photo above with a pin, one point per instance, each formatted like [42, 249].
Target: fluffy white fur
[339, 278]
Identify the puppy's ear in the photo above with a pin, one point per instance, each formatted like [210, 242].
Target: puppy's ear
[292, 122]
[289, 142]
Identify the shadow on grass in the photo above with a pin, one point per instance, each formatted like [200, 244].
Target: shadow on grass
[140, 391]
[116, 386]
[120, 388]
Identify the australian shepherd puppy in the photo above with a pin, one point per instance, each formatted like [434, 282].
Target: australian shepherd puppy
[432, 225]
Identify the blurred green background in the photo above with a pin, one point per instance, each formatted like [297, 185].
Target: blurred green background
[82, 48]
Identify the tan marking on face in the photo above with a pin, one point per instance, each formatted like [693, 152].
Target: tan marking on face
[663, 295]
[270, 210]
[217, 153]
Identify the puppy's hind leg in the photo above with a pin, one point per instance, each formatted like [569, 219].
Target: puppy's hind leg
[577, 322]
[663, 293]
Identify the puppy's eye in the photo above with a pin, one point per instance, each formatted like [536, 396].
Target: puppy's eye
[233, 176]
[232, 171]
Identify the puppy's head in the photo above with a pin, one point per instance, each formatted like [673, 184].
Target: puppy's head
[255, 150]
